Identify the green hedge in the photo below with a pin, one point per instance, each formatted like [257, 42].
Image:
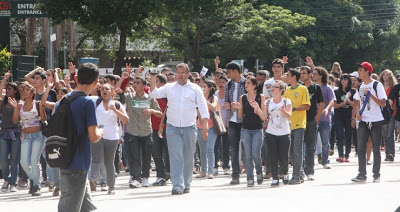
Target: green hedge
[5, 61]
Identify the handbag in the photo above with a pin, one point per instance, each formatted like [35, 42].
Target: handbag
[219, 125]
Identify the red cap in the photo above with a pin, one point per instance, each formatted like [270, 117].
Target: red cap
[367, 66]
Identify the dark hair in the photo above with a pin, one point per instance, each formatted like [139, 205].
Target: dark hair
[255, 82]
[33, 90]
[111, 77]
[15, 87]
[308, 68]
[223, 76]
[331, 77]
[190, 77]
[335, 74]
[162, 78]
[234, 66]
[42, 74]
[277, 61]
[87, 73]
[324, 74]
[173, 74]
[295, 72]
[144, 82]
[166, 69]
[63, 89]
[213, 87]
[103, 78]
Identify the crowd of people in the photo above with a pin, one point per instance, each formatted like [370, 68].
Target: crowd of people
[190, 124]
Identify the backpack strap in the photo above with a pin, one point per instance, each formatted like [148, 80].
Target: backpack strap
[375, 85]
[267, 105]
[98, 101]
[70, 99]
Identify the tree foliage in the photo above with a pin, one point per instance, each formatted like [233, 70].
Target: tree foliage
[5, 61]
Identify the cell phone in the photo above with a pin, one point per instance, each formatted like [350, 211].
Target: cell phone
[101, 126]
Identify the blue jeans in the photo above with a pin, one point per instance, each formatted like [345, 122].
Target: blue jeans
[181, 148]
[324, 129]
[252, 141]
[12, 148]
[31, 148]
[234, 141]
[207, 156]
[296, 151]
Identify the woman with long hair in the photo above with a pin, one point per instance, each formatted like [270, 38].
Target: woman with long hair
[10, 133]
[336, 68]
[252, 110]
[30, 113]
[388, 80]
[111, 115]
[279, 110]
[207, 156]
[343, 113]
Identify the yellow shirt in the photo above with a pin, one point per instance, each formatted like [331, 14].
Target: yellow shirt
[299, 96]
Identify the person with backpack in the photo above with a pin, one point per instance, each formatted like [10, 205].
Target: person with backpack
[30, 113]
[252, 111]
[233, 90]
[81, 129]
[278, 110]
[111, 115]
[138, 138]
[369, 113]
[10, 133]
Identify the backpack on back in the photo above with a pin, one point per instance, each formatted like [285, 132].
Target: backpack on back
[62, 140]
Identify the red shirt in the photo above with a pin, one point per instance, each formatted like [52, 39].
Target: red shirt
[155, 121]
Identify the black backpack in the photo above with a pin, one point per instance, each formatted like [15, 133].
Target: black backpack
[63, 140]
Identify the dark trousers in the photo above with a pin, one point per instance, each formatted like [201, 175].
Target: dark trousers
[160, 154]
[310, 138]
[234, 140]
[333, 135]
[355, 140]
[343, 131]
[222, 141]
[139, 155]
[118, 157]
[373, 129]
[279, 150]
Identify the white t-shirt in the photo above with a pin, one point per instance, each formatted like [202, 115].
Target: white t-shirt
[267, 88]
[109, 120]
[277, 124]
[372, 111]
[235, 97]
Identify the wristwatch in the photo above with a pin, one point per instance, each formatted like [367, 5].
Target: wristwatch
[294, 109]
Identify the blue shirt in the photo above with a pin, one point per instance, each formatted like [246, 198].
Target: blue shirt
[84, 115]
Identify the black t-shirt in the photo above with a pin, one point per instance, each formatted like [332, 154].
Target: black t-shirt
[394, 95]
[345, 110]
[51, 98]
[316, 97]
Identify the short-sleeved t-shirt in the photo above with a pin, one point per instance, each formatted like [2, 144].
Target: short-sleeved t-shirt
[299, 96]
[277, 123]
[328, 94]
[267, 88]
[394, 95]
[316, 97]
[52, 97]
[372, 111]
[346, 109]
[84, 115]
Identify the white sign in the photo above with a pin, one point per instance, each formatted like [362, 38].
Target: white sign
[203, 71]
[53, 37]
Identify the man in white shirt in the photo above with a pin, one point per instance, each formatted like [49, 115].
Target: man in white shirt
[183, 98]
[371, 98]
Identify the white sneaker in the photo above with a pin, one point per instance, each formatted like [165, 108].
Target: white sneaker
[326, 166]
[13, 189]
[103, 186]
[146, 182]
[227, 172]
[310, 177]
[135, 184]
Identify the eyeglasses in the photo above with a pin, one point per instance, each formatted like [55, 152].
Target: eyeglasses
[343, 78]
[183, 73]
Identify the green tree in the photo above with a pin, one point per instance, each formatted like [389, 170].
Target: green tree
[5, 61]
[103, 17]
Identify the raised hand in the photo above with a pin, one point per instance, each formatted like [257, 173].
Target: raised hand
[66, 79]
[12, 102]
[125, 75]
[128, 67]
[285, 59]
[50, 82]
[7, 75]
[309, 61]
[71, 68]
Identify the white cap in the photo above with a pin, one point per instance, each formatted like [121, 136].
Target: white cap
[354, 74]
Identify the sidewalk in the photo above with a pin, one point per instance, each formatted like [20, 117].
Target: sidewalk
[331, 191]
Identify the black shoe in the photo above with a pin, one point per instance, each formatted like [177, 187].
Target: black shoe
[160, 182]
[275, 184]
[30, 187]
[285, 179]
[294, 181]
[36, 191]
[250, 183]
[167, 176]
[186, 190]
[235, 181]
[359, 179]
[376, 179]
[176, 192]
[260, 179]
[390, 157]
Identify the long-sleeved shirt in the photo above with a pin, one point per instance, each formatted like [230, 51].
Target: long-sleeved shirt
[182, 103]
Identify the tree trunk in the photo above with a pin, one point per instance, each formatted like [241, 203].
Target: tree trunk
[45, 39]
[30, 35]
[119, 62]
[72, 39]
[197, 52]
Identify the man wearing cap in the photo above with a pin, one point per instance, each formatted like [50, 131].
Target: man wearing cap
[233, 90]
[368, 112]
